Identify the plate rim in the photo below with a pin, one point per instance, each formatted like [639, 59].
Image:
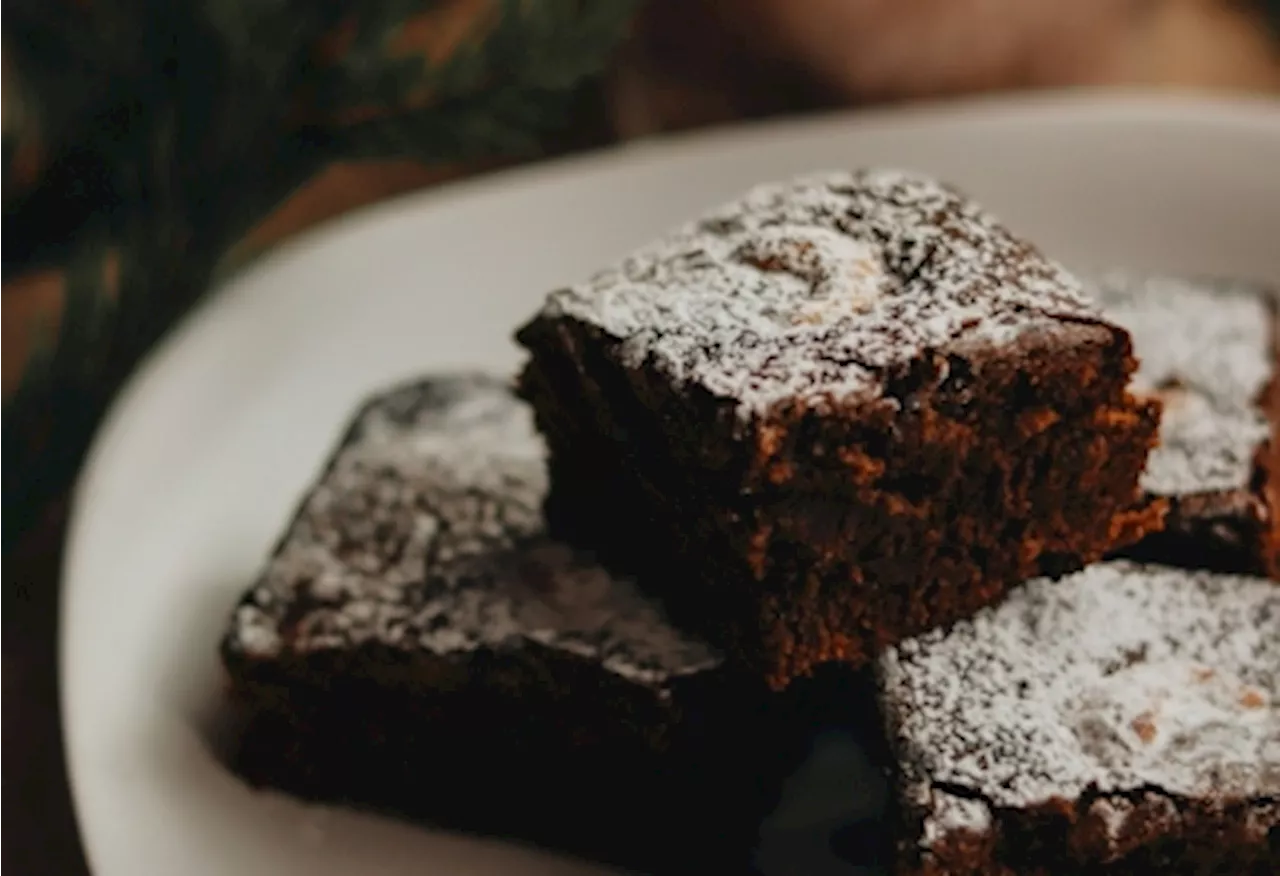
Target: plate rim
[1129, 106]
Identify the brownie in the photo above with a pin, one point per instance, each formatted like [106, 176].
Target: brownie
[1209, 350]
[418, 645]
[1125, 719]
[850, 408]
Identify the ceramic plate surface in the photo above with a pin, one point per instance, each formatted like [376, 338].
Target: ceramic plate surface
[205, 454]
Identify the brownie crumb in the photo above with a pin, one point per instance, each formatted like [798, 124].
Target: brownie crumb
[1209, 351]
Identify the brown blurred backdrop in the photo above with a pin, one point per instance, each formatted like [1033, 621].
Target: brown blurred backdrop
[694, 63]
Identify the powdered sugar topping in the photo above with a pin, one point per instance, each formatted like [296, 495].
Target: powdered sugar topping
[810, 289]
[946, 814]
[426, 533]
[1206, 349]
[1118, 678]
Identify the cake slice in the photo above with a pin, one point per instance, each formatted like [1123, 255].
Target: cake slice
[848, 408]
[417, 644]
[1209, 351]
[1125, 719]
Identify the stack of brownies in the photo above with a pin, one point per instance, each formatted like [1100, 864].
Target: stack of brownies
[848, 421]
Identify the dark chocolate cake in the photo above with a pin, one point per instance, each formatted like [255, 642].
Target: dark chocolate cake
[418, 644]
[1209, 351]
[1125, 719]
[851, 407]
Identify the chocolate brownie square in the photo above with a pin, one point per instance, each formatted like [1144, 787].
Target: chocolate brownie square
[417, 644]
[1125, 719]
[1209, 350]
[849, 408]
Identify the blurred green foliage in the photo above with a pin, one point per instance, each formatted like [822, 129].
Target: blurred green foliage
[143, 138]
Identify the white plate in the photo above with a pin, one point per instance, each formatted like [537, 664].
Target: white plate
[204, 455]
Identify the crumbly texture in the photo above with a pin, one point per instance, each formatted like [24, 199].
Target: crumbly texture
[1124, 717]
[1209, 351]
[850, 407]
[417, 643]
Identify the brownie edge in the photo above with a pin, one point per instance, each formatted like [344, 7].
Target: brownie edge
[1210, 350]
[1125, 719]
[418, 645]
[850, 407]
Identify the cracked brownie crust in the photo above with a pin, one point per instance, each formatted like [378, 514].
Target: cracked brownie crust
[418, 644]
[425, 535]
[1209, 350]
[850, 408]
[1124, 718]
